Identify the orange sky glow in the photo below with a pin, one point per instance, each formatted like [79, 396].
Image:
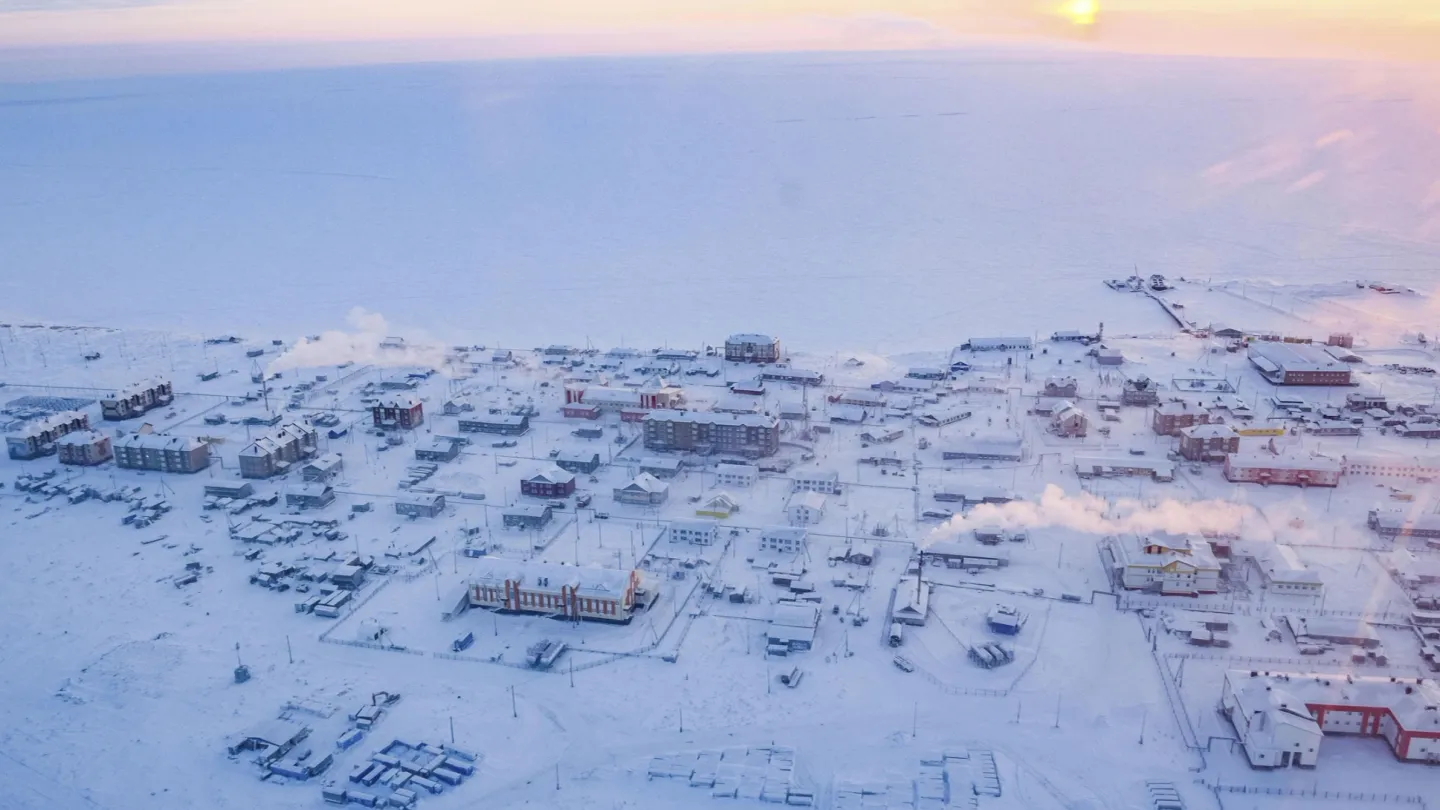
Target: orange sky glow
[1385, 29]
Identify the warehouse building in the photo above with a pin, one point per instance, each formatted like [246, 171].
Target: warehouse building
[1298, 364]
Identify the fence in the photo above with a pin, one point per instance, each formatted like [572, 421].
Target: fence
[1315, 793]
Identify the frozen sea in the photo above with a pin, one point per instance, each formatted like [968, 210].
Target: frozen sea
[883, 202]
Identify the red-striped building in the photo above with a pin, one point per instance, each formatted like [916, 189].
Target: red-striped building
[570, 591]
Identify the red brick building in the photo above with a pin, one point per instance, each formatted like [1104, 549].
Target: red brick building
[399, 412]
[1263, 468]
[1169, 418]
[1208, 442]
[553, 483]
[1298, 364]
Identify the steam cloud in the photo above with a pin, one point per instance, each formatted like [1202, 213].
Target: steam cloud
[1084, 512]
[360, 346]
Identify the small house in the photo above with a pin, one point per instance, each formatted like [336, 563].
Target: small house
[662, 468]
[420, 504]
[323, 469]
[826, 482]
[721, 505]
[312, 495]
[441, 450]
[693, 531]
[805, 508]
[783, 539]
[578, 461]
[643, 490]
[912, 603]
[530, 517]
[736, 476]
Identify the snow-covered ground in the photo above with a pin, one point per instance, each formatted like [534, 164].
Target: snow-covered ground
[874, 211]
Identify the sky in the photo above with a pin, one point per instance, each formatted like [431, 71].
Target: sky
[354, 30]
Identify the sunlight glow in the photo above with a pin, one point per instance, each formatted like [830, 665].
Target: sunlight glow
[1081, 12]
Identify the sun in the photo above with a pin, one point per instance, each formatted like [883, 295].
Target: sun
[1081, 12]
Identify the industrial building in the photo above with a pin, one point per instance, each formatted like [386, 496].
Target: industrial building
[85, 448]
[1282, 716]
[404, 412]
[697, 431]
[162, 453]
[568, 591]
[1167, 563]
[135, 399]
[1298, 364]
[752, 348]
[1265, 468]
[37, 438]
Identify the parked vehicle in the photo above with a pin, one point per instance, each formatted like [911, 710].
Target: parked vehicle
[904, 664]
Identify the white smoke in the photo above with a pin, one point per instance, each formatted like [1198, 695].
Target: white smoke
[360, 346]
[1084, 512]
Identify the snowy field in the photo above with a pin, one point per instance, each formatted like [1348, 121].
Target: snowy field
[875, 202]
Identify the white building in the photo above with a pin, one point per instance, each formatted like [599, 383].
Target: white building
[1391, 466]
[784, 539]
[698, 532]
[1284, 572]
[1276, 728]
[1171, 564]
[912, 602]
[805, 508]
[736, 476]
[825, 482]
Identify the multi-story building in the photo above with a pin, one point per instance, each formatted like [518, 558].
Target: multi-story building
[37, 438]
[553, 483]
[1171, 564]
[509, 424]
[1208, 442]
[84, 447]
[1169, 418]
[697, 431]
[1298, 364]
[1282, 716]
[404, 412]
[137, 398]
[162, 453]
[783, 539]
[655, 395]
[695, 531]
[569, 591]
[276, 451]
[752, 348]
[1264, 468]
[825, 482]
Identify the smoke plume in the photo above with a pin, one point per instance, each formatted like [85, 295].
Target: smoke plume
[361, 346]
[1084, 512]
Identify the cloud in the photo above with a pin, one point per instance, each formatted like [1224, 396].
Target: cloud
[1308, 180]
[1087, 513]
[361, 346]
[1338, 136]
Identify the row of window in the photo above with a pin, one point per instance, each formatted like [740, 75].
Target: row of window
[543, 601]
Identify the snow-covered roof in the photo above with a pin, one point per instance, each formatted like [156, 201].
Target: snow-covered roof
[80, 438]
[660, 463]
[645, 482]
[695, 524]
[553, 475]
[1251, 461]
[1292, 357]
[587, 580]
[712, 418]
[1166, 549]
[1208, 431]
[577, 456]
[807, 498]
[795, 614]
[791, 533]
[165, 441]
[1414, 702]
[39, 426]
[750, 337]
[1280, 563]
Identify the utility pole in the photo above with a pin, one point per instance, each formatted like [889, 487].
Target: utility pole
[288, 651]
[514, 712]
